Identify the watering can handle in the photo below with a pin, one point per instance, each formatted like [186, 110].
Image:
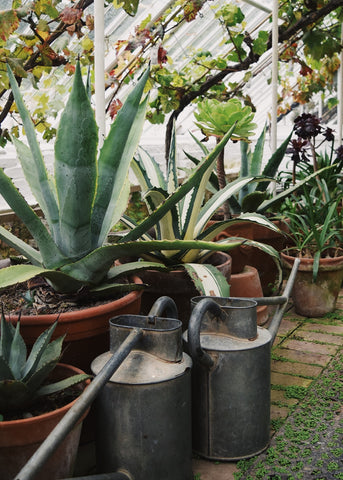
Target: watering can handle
[164, 305]
[195, 350]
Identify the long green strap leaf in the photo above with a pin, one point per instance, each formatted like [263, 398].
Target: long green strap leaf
[92, 267]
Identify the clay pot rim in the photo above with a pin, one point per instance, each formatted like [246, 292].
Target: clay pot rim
[78, 314]
[306, 263]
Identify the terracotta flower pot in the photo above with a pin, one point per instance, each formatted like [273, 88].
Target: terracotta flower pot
[87, 330]
[315, 299]
[19, 439]
[248, 255]
[247, 284]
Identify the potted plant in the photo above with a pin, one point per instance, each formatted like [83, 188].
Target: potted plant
[35, 393]
[315, 223]
[189, 220]
[80, 203]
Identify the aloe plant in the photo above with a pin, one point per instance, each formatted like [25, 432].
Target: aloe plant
[22, 376]
[189, 218]
[84, 198]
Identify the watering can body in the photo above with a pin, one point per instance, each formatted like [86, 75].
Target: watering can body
[231, 373]
[143, 413]
[230, 380]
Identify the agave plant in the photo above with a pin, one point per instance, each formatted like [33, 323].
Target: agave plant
[22, 377]
[84, 198]
[189, 218]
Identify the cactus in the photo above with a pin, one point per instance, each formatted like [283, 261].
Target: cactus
[22, 378]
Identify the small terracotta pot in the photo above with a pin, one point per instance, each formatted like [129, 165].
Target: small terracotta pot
[247, 284]
[86, 330]
[19, 439]
[315, 299]
[248, 255]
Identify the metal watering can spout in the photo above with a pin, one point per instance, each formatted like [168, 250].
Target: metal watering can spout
[280, 300]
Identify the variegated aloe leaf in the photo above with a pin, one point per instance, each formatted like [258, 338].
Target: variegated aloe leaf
[196, 196]
[192, 182]
[208, 280]
[147, 171]
[212, 205]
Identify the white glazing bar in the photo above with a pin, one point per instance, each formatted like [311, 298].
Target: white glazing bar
[275, 60]
[340, 96]
[99, 68]
[258, 5]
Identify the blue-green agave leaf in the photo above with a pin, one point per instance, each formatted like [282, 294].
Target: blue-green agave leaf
[76, 169]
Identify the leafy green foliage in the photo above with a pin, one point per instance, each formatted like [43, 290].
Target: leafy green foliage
[22, 376]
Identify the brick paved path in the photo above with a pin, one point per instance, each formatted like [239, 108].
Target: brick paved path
[302, 354]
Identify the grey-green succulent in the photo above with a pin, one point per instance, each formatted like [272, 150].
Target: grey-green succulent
[22, 376]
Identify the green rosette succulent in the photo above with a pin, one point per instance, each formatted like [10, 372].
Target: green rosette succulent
[216, 118]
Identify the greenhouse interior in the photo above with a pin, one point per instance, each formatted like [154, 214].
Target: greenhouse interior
[171, 238]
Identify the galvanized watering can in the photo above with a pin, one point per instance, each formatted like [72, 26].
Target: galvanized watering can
[231, 374]
[143, 413]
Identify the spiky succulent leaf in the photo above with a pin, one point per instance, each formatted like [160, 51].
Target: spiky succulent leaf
[172, 177]
[33, 165]
[212, 205]
[49, 252]
[37, 351]
[18, 352]
[147, 171]
[114, 162]
[20, 246]
[62, 384]
[7, 334]
[99, 259]
[128, 267]
[5, 371]
[20, 380]
[76, 170]
[21, 273]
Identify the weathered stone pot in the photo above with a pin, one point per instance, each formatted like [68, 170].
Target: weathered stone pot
[315, 299]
